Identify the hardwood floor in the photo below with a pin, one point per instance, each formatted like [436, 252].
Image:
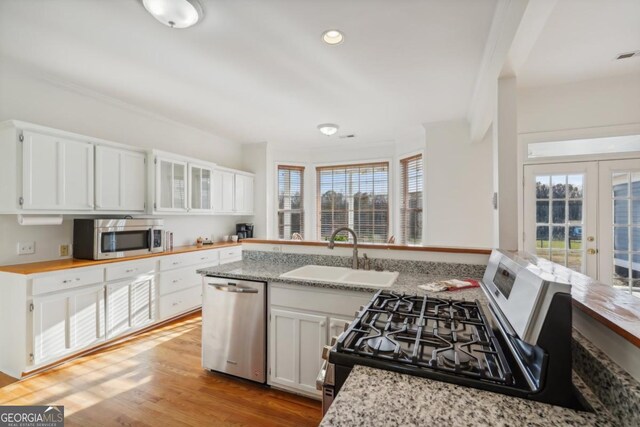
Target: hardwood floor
[156, 379]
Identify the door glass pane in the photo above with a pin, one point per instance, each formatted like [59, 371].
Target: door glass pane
[179, 186]
[196, 187]
[559, 219]
[166, 178]
[558, 214]
[625, 191]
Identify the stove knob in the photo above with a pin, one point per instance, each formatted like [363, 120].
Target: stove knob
[346, 326]
[334, 340]
[325, 352]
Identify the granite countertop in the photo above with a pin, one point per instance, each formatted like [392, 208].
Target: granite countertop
[374, 397]
[270, 272]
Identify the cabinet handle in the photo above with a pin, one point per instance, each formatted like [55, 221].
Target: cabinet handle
[176, 262]
[175, 281]
[131, 270]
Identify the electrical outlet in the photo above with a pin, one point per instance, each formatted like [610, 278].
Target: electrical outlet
[64, 250]
[26, 248]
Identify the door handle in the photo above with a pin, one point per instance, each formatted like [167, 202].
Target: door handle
[231, 287]
[592, 251]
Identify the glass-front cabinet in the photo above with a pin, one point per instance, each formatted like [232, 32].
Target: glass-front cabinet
[200, 188]
[171, 185]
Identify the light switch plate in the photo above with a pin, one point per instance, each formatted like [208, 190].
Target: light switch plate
[26, 248]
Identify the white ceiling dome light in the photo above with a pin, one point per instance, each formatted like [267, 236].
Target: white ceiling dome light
[175, 13]
[328, 128]
[332, 37]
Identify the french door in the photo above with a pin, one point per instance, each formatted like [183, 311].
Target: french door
[586, 216]
[560, 214]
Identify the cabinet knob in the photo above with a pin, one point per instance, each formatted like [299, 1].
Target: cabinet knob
[323, 323]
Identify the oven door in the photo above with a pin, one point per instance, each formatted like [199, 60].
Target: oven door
[120, 242]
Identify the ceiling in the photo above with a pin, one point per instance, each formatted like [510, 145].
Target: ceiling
[581, 40]
[256, 70]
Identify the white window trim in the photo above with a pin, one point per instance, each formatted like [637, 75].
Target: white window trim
[274, 222]
[397, 225]
[392, 189]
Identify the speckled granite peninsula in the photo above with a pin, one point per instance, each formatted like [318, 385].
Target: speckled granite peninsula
[373, 397]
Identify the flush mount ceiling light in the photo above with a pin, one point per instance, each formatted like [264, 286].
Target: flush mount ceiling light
[175, 13]
[328, 128]
[332, 37]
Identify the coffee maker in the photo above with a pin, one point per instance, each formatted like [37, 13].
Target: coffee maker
[244, 231]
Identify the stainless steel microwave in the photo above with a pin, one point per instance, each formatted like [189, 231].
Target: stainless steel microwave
[117, 238]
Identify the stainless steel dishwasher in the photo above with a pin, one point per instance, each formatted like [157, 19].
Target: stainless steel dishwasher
[234, 327]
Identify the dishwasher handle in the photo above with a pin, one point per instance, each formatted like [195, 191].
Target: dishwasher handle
[232, 287]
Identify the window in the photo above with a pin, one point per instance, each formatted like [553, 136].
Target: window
[411, 200]
[355, 196]
[290, 201]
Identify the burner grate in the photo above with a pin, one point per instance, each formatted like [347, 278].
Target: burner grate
[445, 335]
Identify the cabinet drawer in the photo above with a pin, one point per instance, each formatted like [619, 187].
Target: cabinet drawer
[199, 257]
[177, 280]
[122, 270]
[344, 303]
[178, 302]
[67, 279]
[231, 254]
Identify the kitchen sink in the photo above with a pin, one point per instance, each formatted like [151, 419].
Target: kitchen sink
[322, 273]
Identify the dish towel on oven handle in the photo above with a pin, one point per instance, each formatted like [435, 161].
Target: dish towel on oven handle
[450, 285]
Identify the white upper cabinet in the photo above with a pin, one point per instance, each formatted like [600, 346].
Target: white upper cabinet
[223, 191]
[171, 185]
[243, 194]
[120, 179]
[57, 173]
[200, 188]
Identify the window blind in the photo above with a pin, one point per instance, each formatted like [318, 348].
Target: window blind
[411, 182]
[355, 196]
[290, 201]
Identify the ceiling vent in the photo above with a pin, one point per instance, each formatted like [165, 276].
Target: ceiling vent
[628, 55]
[347, 136]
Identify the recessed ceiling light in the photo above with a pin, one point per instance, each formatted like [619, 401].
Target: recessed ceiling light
[175, 13]
[332, 37]
[328, 128]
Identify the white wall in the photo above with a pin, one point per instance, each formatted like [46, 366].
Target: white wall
[459, 185]
[36, 99]
[588, 104]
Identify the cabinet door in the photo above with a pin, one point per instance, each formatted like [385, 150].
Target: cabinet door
[171, 185]
[142, 302]
[120, 179]
[57, 173]
[223, 191]
[248, 194]
[200, 188]
[77, 172]
[296, 341]
[86, 317]
[118, 309]
[50, 325]
[239, 191]
[40, 170]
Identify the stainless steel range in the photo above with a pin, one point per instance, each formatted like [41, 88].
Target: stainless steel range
[522, 349]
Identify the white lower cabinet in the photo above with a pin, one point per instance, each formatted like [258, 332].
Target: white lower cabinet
[86, 317]
[66, 322]
[297, 341]
[130, 305]
[301, 321]
[50, 326]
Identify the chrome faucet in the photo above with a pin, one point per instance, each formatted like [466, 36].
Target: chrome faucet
[332, 243]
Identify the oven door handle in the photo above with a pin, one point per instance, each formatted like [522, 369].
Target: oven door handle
[322, 375]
